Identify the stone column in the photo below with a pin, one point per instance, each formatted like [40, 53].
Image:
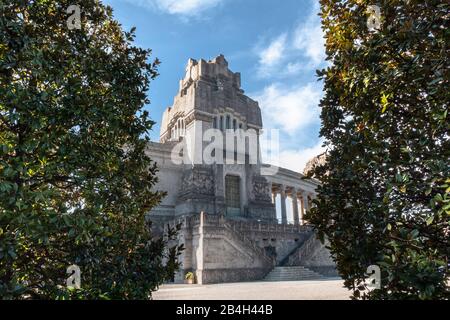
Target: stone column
[302, 211]
[283, 205]
[224, 122]
[271, 192]
[306, 201]
[306, 204]
[199, 252]
[274, 201]
[295, 206]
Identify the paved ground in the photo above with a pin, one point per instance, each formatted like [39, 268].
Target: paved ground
[298, 290]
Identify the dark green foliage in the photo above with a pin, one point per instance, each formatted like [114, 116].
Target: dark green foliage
[75, 183]
[385, 194]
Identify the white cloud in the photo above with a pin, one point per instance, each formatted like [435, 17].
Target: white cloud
[309, 38]
[293, 52]
[296, 160]
[273, 54]
[294, 67]
[289, 103]
[181, 7]
[290, 109]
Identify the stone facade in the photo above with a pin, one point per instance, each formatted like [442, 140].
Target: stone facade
[231, 229]
[319, 160]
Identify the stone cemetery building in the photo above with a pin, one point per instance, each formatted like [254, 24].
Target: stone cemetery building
[209, 159]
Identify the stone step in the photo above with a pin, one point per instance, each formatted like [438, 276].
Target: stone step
[292, 268]
[292, 274]
[292, 279]
[291, 271]
[288, 273]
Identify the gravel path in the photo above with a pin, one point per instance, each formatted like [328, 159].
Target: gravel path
[330, 289]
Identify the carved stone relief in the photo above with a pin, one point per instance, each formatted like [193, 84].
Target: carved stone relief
[261, 189]
[198, 181]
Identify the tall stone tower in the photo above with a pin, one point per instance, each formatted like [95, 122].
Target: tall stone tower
[209, 93]
[210, 99]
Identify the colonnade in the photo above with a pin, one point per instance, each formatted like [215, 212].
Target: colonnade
[301, 202]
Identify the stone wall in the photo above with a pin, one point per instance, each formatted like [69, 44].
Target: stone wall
[221, 250]
[169, 177]
[216, 253]
[283, 238]
[229, 258]
[314, 255]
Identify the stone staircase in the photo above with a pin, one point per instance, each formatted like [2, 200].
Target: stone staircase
[250, 247]
[297, 273]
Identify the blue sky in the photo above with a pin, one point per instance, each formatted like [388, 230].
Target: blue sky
[276, 45]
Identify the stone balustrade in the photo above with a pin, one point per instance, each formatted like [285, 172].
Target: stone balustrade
[243, 226]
